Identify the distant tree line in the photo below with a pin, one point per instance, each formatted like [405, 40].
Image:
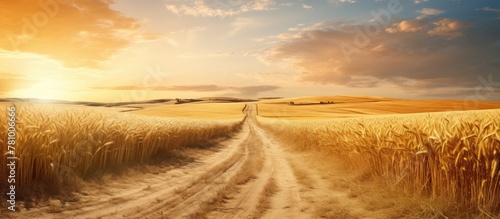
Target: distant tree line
[321, 102]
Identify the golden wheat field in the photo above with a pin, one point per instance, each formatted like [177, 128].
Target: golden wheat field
[450, 155]
[360, 157]
[359, 106]
[54, 143]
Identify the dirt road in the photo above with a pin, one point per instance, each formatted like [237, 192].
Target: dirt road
[250, 177]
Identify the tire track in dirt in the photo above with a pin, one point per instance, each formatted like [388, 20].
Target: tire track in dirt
[184, 199]
[179, 197]
[245, 203]
[286, 202]
[249, 166]
[188, 204]
[135, 200]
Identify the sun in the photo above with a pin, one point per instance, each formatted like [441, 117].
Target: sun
[46, 89]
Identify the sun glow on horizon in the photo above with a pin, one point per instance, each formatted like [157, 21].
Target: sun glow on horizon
[47, 89]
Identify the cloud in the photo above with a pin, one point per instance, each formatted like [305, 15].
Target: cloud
[207, 55]
[254, 90]
[245, 91]
[420, 1]
[242, 23]
[426, 12]
[497, 10]
[341, 1]
[407, 26]
[185, 37]
[78, 33]
[216, 8]
[407, 60]
[414, 25]
[493, 10]
[199, 88]
[269, 76]
[448, 28]
[8, 82]
[307, 6]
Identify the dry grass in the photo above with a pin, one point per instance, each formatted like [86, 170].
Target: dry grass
[451, 156]
[55, 144]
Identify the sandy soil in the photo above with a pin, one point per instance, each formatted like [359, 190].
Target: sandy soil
[252, 176]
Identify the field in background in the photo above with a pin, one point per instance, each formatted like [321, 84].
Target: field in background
[452, 156]
[57, 142]
[195, 110]
[203, 108]
[348, 107]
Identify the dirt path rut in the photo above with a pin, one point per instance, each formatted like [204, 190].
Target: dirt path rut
[250, 178]
[275, 183]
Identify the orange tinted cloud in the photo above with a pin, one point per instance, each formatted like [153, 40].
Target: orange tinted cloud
[253, 90]
[200, 88]
[407, 59]
[78, 32]
[8, 84]
[221, 8]
[448, 28]
[406, 26]
[245, 91]
[445, 27]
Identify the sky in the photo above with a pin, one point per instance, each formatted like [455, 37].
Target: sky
[129, 50]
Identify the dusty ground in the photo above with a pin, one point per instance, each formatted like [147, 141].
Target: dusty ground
[251, 175]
